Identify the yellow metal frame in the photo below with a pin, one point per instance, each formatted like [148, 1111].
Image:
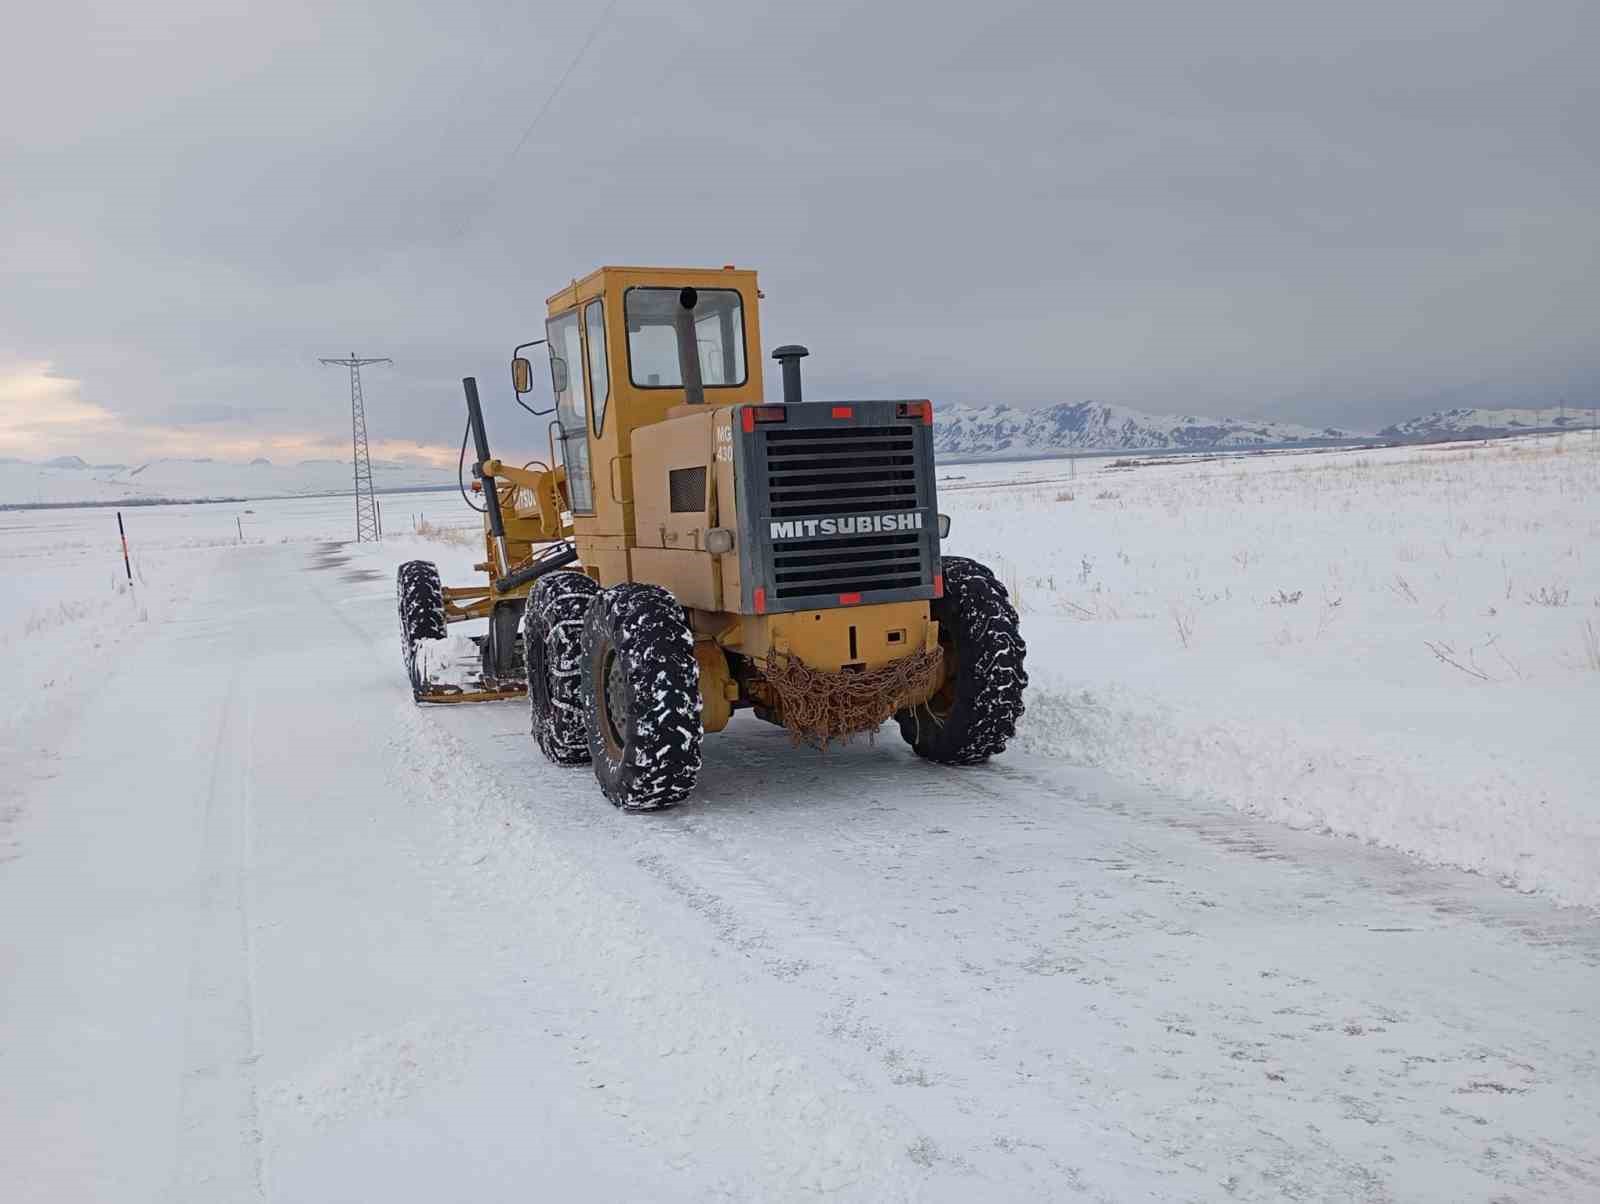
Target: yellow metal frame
[536, 506]
[472, 695]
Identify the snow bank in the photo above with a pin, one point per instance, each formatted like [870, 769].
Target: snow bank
[1390, 645]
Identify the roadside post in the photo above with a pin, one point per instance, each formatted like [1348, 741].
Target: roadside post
[127, 565]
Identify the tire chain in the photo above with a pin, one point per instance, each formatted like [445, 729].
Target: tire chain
[661, 753]
[419, 597]
[992, 672]
[552, 642]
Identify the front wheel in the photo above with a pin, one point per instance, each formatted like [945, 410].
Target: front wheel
[641, 697]
[976, 710]
[419, 596]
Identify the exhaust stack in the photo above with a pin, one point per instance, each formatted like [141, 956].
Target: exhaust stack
[790, 356]
[694, 389]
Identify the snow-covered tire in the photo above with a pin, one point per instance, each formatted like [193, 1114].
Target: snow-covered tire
[641, 697]
[420, 599]
[976, 711]
[552, 642]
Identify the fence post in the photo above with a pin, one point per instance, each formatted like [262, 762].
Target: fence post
[122, 533]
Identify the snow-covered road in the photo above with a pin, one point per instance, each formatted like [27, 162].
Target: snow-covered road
[271, 932]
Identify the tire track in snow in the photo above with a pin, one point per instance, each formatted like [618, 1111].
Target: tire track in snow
[1150, 871]
[675, 1025]
[1144, 964]
[913, 1048]
[221, 1153]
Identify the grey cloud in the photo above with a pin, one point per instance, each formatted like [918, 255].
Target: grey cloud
[1332, 214]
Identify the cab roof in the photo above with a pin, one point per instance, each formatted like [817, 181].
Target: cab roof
[594, 282]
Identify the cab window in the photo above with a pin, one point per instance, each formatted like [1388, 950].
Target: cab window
[566, 380]
[653, 339]
[594, 321]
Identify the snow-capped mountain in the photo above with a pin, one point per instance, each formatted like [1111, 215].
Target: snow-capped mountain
[1471, 423]
[1004, 432]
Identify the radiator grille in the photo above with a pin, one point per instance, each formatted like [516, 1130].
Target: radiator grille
[686, 490]
[819, 472]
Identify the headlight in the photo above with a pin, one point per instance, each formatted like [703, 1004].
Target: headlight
[719, 541]
[944, 526]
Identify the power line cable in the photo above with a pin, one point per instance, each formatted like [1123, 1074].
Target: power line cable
[527, 132]
[461, 473]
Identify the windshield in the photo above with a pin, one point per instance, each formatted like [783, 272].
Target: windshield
[653, 340]
[566, 368]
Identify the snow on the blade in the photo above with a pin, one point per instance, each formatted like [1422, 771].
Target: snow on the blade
[452, 661]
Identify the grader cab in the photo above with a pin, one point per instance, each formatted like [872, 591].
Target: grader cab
[693, 548]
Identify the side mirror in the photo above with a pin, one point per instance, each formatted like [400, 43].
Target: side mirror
[558, 374]
[521, 376]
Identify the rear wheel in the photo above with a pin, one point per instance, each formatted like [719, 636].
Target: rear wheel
[420, 598]
[641, 697]
[976, 709]
[502, 647]
[552, 642]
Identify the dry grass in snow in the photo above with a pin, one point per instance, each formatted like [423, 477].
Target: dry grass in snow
[1394, 644]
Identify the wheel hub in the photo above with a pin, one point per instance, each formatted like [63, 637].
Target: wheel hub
[614, 696]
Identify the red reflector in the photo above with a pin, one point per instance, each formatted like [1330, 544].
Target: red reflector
[843, 412]
[769, 413]
[477, 487]
[761, 594]
[938, 585]
[849, 599]
[748, 420]
[917, 409]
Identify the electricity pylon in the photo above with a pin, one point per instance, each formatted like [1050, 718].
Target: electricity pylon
[366, 504]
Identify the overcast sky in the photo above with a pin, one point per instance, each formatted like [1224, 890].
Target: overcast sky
[1339, 213]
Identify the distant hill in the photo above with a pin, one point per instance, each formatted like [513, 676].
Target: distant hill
[997, 432]
[1472, 423]
[1004, 432]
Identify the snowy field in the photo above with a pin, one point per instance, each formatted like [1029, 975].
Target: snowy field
[1401, 645]
[270, 931]
[24, 483]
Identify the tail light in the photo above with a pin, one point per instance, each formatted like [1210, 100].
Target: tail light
[920, 410]
[755, 414]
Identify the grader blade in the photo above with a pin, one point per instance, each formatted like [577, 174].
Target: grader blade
[452, 670]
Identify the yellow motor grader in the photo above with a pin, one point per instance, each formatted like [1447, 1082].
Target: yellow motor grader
[692, 549]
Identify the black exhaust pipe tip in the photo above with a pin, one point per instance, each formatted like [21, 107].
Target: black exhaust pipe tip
[790, 355]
